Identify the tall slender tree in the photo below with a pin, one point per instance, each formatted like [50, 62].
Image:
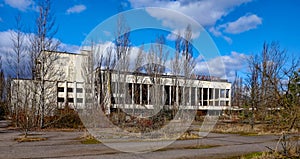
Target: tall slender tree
[17, 64]
[43, 54]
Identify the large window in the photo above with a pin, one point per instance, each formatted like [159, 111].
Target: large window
[193, 96]
[205, 96]
[144, 94]
[136, 93]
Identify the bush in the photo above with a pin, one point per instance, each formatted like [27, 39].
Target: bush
[66, 118]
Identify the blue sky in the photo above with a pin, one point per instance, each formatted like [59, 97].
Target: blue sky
[238, 27]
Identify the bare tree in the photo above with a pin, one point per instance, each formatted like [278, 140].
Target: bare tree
[253, 85]
[291, 102]
[19, 90]
[183, 65]
[268, 73]
[119, 62]
[17, 62]
[187, 52]
[2, 91]
[2, 81]
[43, 55]
[237, 91]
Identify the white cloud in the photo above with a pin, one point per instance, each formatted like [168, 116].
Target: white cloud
[218, 33]
[215, 31]
[175, 21]
[76, 9]
[222, 66]
[22, 5]
[206, 12]
[5, 41]
[244, 23]
[228, 39]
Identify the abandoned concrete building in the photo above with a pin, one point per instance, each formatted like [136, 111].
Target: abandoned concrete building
[128, 90]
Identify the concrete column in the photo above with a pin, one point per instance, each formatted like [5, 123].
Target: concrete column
[65, 93]
[224, 96]
[196, 96]
[190, 95]
[148, 94]
[56, 84]
[202, 96]
[75, 95]
[84, 95]
[214, 97]
[170, 95]
[229, 95]
[219, 97]
[177, 95]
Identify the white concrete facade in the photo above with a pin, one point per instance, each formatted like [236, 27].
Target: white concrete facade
[138, 89]
[188, 93]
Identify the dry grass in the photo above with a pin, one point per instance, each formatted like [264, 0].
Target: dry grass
[88, 139]
[188, 136]
[267, 155]
[245, 129]
[91, 140]
[188, 147]
[29, 139]
[59, 130]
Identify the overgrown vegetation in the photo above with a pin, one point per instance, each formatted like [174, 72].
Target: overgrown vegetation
[270, 93]
[65, 118]
[88, 139]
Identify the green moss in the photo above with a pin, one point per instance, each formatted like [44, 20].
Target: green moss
[252, 155]
[90, 141]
